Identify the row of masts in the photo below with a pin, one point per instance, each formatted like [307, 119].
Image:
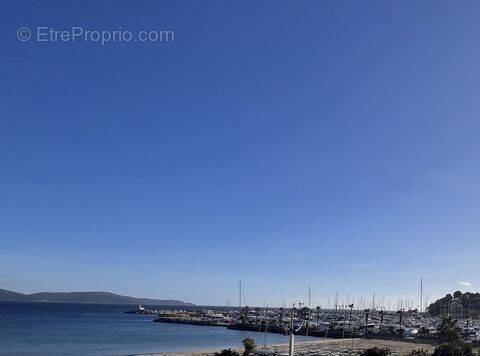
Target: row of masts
[360, 303]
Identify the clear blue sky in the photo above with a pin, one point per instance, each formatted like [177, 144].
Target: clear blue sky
[334, 143]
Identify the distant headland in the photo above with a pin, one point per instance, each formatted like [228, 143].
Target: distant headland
[85, 297]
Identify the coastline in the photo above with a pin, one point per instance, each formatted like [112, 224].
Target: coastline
[322, 347]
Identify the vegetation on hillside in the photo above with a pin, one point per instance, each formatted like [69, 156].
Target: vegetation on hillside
[458, 304]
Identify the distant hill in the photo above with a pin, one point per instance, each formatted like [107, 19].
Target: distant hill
[84, 297]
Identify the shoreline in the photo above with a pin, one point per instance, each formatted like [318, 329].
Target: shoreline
[309, 347]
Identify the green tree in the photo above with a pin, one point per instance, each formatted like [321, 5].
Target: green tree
[453, 349]
[447, 349]
[448, 330]
[418, 352]
[249, 345]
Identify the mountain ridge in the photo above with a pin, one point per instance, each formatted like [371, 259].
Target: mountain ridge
[95, 297]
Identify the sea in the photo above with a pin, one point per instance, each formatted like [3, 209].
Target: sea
[92, 329]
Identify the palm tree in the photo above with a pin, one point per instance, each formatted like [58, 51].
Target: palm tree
[280, 317]
[249, 345]
[448, 330]
[367, 311]
[400, 316]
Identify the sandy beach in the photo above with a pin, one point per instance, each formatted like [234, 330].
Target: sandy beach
[323, 347]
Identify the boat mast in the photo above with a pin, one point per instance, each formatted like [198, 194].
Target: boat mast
[239, 293]
[421, 294]
[309, 296]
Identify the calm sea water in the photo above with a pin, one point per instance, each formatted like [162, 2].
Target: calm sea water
[77, 329]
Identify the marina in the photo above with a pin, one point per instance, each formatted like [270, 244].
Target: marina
[340, 323]
[345, 321]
